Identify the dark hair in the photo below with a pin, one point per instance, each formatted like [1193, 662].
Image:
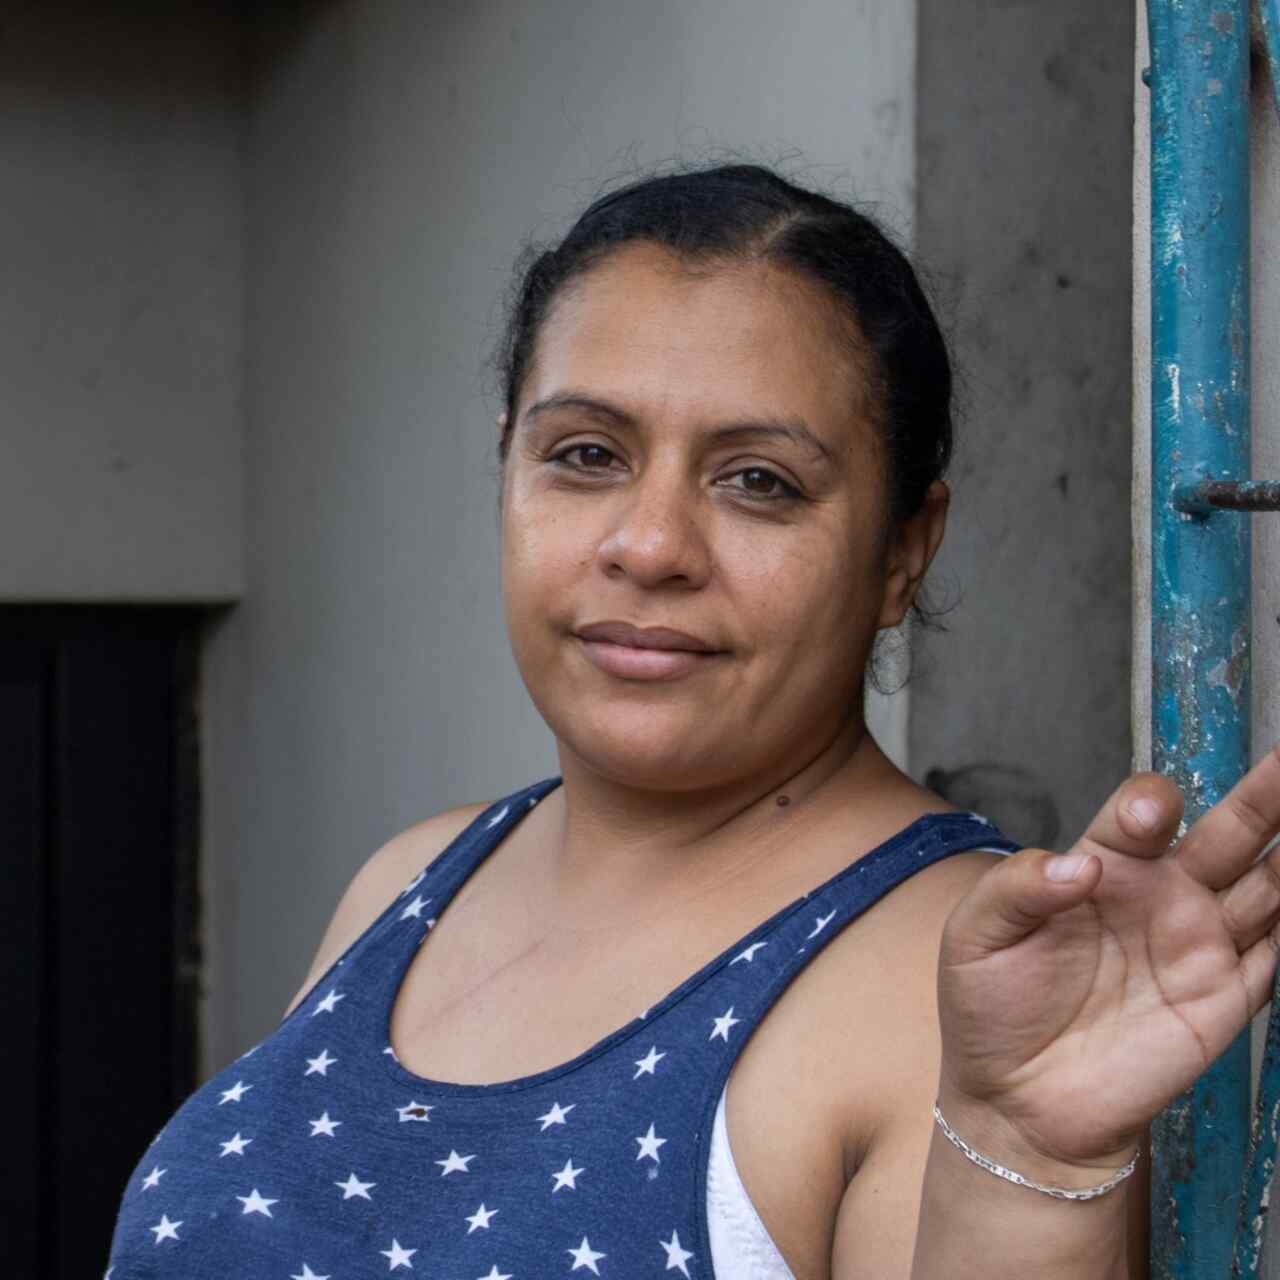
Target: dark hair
[748, 212]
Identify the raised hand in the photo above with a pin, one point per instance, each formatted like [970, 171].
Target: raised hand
[1074, 1009]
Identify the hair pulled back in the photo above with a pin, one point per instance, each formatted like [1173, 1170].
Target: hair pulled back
[746, 212]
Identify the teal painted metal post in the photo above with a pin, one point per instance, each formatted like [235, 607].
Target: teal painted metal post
[1200, 559]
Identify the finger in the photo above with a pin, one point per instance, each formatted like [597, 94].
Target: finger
[1139, 819]
[1223, 843]
[1257, 970]
[1014, 898]
[1251, 906]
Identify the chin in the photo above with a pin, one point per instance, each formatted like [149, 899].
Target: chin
[645, 749]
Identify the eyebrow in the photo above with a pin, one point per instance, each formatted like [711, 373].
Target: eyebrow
[794, 430]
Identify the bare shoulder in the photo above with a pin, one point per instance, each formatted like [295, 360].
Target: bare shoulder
[862, 1016]
[381, 878]
[841, 1075]
[894, 944]
[887, 969]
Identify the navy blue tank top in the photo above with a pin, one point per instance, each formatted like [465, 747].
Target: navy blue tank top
[318, 1156]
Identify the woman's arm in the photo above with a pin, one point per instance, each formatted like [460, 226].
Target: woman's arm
[886, 1218]
[1078, 994]
[973, 1223]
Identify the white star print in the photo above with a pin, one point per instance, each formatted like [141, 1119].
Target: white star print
[822, 922]
[645, 1066]
[454, 1163]
[328, 1004]
[676, 1256]
[722, 1025]
[649, 1145]
[565, 1178]
[398, 1256]
[585, 1256]
[164, 1229]
[320, 1065]
[480, 1219]
[494, 1274]
[234, 1146]
[414, 1111]
[235, 1093]
[153, 1178]
[414, 909]
[308, 1274]
[555, 1116]
[254, 1203]
[749, 954]
[353, 1188]
[324, 1126]
[497, 818]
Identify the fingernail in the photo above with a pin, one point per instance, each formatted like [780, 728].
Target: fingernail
[1146, 811]
[1064, 866]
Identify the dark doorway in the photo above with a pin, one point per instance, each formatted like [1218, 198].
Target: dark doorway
[98, 914]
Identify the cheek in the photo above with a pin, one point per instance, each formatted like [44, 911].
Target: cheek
[542, 552]
[806, 597]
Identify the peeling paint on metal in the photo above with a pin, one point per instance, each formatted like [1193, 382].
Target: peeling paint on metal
[1200, 561]
[1231, 673]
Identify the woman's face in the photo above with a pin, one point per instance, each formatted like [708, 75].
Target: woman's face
[695, 452]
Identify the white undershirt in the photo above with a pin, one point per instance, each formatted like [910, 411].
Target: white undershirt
[741, 1249]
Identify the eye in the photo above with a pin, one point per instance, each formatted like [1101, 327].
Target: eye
[594, 457]
[763, 484]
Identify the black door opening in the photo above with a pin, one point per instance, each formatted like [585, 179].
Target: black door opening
[99, 951]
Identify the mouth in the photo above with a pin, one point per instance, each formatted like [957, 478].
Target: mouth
[644, 653]
[625, 634]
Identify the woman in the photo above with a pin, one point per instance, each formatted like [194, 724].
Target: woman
[689, 1006]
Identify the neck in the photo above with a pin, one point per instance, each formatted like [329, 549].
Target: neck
[611, 843]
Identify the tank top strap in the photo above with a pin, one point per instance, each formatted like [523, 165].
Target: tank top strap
[727, 1000]
[374, 962]
[862, 884]
[445, 874]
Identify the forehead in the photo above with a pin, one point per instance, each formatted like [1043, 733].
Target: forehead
[722, 340]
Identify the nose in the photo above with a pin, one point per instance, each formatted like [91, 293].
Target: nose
[656, 536]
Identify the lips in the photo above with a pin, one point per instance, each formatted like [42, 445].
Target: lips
[623, 633]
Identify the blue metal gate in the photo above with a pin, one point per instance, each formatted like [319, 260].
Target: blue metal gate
[1202, 1221]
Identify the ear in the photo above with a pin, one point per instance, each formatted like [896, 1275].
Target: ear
[911, 551]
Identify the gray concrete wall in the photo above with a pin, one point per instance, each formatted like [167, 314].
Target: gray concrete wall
[1023, 162]
[120, 316]
[398, 156]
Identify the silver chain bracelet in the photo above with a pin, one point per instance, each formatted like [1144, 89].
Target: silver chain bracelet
[1059, 1193]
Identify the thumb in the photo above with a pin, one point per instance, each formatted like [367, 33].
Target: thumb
[1014, 898]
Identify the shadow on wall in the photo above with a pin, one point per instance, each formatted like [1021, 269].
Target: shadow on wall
[1015, 799]
[119, 54]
